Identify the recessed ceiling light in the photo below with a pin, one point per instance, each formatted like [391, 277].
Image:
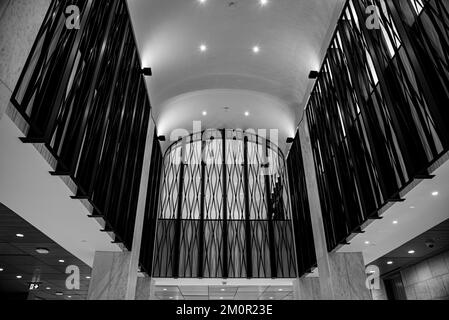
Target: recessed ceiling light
[204, 113]
[202, 1]
[367, 242]
[69, 297]
[435, 193]
[1, 269]
[263, 2]
[42, 251]
[412, 207]
[280, 290]
[87, 277]
[203, 48]
[221, 298]
[19, 235]
[171, 298]
[256, 49]
[271, 298]
[222, 289]
[390, 262]
[411, 252]
[246, 114]
[59, 294]
[395, 222]
[48, 288]
[61, 261]
[19, 277]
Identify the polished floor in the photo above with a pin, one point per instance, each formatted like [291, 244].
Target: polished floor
[224, 292]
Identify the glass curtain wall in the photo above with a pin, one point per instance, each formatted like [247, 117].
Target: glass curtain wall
[224, 209]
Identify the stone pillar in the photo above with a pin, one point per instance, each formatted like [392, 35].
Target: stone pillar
[110, 274]
[307, 288]
[20, 21]
[115, 275]
[140, 215]
[145, 289]
[341, 275]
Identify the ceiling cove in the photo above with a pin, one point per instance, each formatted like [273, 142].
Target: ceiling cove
[259, 53]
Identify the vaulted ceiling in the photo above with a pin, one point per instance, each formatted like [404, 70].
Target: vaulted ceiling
[228, 78]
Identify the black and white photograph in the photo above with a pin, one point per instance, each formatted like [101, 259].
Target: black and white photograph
[217, 159]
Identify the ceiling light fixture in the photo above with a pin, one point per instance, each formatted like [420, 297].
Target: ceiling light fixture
[202, 1]
[367, 242]
[411, 252]
[59, 294]
[61, 261]
[395, 222]
[19, 235]
[203, 48]
[48, 288]
[87, 277]
[435, 193]
[263, 2]
[1, 269]
[256, 49]
[204, 113]
[390, 262]
[412, 207]
[42, 251]
[19, 277]
[246, 114]
[223, 290]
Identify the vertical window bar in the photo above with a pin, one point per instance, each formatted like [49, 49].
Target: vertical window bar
[177, 246]
[270, 209]
[225, 208]
[202, 199]
[249, 264]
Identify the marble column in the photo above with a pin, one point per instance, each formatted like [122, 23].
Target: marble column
[20, 21]
[307, 288]
[145, 288]
[115, 275]
[110, 274]
[140, 214]
[341, 275]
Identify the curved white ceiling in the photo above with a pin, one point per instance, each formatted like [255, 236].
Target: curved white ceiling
[291, 35]
[227, 108]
